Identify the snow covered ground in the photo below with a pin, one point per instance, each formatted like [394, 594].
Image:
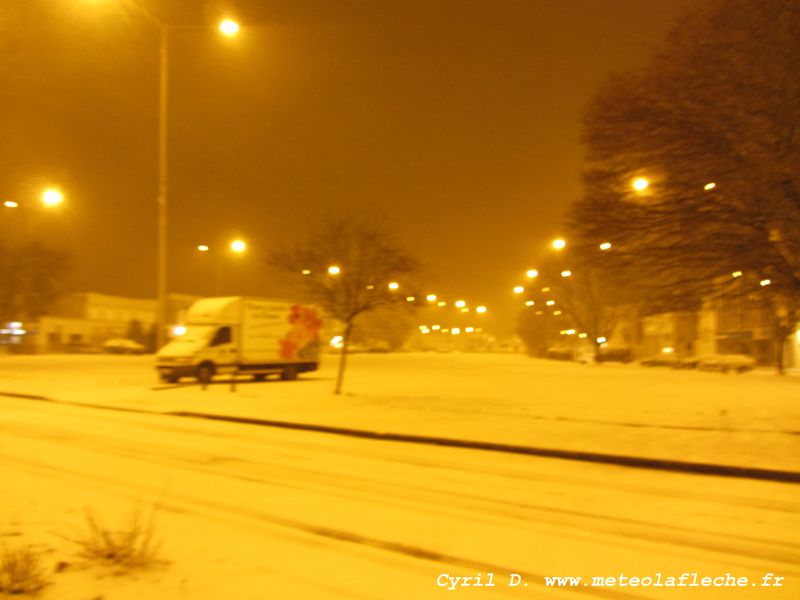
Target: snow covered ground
[257, 512]
[745, 420]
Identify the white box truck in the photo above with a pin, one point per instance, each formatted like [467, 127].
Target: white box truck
[255, 336]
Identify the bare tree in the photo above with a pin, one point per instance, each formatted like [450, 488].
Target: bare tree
[584, 298]
[384, 329]
[712, 129]
[349, 267]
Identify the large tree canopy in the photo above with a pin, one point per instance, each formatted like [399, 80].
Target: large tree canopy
[31, 277]
[713, 127]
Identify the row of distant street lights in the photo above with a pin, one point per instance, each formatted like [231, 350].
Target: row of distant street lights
[431, 300]
[557, 244]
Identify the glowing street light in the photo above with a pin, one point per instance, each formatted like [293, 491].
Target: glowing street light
[550, 303]
[229, 27]
[480, 309]
[10, 204]
[203, 248]
[709, 186]
[605, 246]
[431, 297]
[640, 184]
[460, 304]
[736, 274]
[764, 282]
[531, 273]
[566, 273]
[441, 303]
[529, 303]
[306, 272]
[519, 289]
[393, 285]
[52, 197]
[559, 244]
[238, 246]
[334, 270]
[410, 298]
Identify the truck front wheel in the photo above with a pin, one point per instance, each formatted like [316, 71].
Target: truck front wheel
[205, 372]
[289, 373]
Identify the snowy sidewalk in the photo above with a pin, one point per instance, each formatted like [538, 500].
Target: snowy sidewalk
[750, 420]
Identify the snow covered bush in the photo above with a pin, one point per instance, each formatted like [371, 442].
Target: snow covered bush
[131, 547]
[21, 571]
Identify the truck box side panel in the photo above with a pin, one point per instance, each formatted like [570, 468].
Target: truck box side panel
[278, 332]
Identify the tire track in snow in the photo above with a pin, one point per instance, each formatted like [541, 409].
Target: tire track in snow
[731, 545]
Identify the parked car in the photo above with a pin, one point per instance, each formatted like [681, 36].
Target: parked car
[623, 355]
[660, 360]
[557, 353]
[690, 362]
[123, 346]
[727, 363]
[79, 348]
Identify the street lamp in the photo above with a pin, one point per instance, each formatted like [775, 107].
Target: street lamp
[559, 244]
[52, 197]
[640, 184]
[229, 28]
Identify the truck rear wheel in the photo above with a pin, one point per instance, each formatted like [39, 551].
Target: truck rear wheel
[289, 373]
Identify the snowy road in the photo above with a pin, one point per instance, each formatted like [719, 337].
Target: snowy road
[254, 512]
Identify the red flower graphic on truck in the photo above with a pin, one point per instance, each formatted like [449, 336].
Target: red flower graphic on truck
[302, 341]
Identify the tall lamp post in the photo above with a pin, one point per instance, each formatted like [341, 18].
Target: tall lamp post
[228, 28]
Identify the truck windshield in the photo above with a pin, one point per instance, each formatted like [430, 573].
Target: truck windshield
[196, 334]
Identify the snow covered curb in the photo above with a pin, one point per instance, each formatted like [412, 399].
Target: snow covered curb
[594, 457]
